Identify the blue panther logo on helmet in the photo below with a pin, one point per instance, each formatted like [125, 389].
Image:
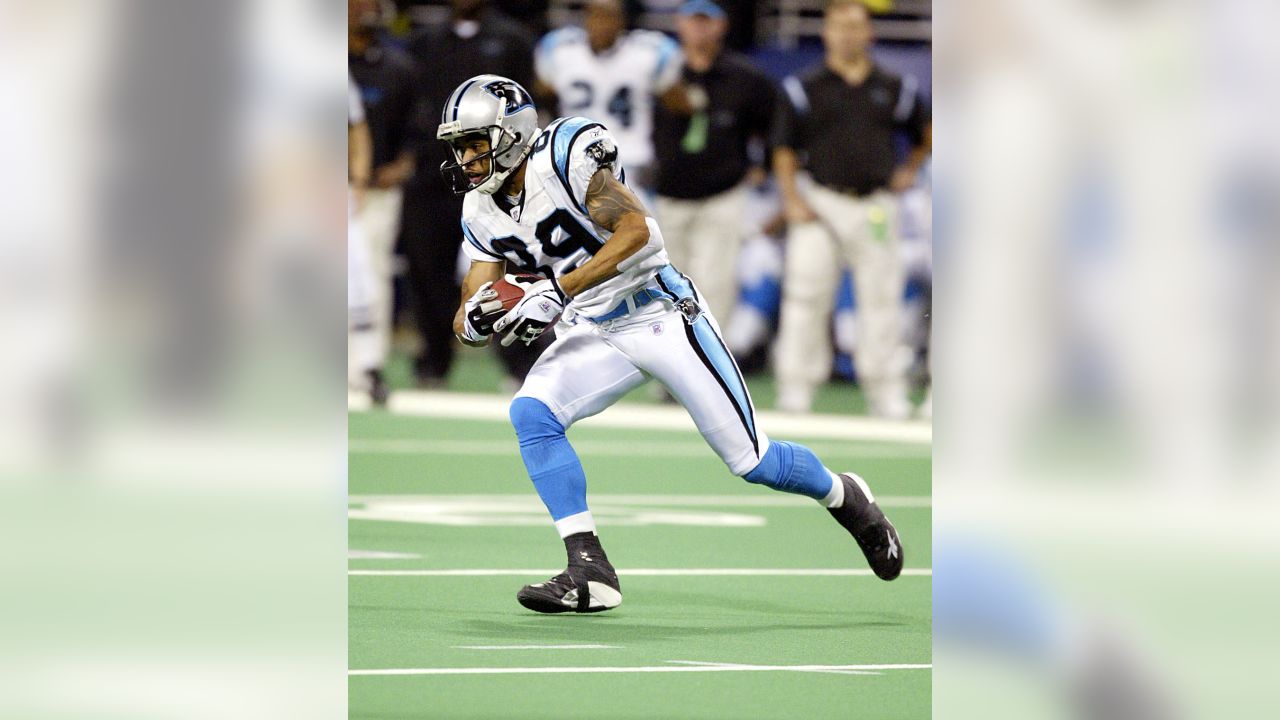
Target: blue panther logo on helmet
[512, 93]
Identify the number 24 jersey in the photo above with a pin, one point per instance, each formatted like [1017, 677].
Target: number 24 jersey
[616, 87]
[550, 233]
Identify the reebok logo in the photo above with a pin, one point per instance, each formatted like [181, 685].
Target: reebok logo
[893, 547]
[583, 554]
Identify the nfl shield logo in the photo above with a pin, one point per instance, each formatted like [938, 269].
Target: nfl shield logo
[656, 328]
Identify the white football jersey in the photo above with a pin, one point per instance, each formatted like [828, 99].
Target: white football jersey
[550, 232]
[617, 87]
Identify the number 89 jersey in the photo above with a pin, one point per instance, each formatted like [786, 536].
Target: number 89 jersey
[550, 232]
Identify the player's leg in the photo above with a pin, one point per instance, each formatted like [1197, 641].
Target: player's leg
[578, 376]
[380, 218]
[803, 350]
[429, 232]
[716, 240]
[365, 352]
[871, 247]
[691, 359]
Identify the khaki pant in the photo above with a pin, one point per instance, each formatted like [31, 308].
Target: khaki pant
[379, 218]
[859, 233]
[702, 239]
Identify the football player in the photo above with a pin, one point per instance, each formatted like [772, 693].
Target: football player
[603, 72]
[555, 203]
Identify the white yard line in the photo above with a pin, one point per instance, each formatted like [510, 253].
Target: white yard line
[646, 572]
[536, 647]
[475, 406]
[674, 668]
[797, 669]
[635, 448]
[380, 555]
[601, 500]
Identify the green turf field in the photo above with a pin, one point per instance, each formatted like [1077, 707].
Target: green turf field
[739, 602]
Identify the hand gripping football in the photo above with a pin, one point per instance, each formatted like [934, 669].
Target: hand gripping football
[509, 293]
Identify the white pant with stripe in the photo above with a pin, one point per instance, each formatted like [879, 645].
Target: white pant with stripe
[590, 366]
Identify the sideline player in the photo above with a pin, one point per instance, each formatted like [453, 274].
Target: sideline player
[602, 72]
[554, 202]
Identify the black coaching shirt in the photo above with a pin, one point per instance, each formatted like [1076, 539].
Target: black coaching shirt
[741, 105]
[845, 133]
[388, 81]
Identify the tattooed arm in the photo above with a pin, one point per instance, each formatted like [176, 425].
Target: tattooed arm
[613, 207]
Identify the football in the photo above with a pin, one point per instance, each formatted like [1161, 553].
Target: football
[510, 293]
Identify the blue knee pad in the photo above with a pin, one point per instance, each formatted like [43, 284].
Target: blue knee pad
[791, 468]
[553, 466]
[534, 421]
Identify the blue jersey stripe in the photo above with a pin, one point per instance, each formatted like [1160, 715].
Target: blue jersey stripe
[666, 51]
[711, 349]
[466, 231]
[561, 142]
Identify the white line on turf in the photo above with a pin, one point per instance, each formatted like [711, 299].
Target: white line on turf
[476, 406]
[536, 647]
[380, 555]
[604, 448]
[647, 572]
[601, 500]
[749, 667]
[636, 669]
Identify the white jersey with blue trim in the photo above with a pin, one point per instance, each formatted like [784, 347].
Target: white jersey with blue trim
[550, 232]
[617, 87]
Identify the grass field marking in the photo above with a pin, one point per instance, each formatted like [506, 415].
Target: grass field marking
[606, 448]
[529, 512]
[380, 555]
[796, 669]
[537, 647]
[603, 500]
[476, 406]
[636, 669]
[646, 572]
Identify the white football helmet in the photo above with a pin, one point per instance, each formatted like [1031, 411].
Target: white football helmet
[504, 112]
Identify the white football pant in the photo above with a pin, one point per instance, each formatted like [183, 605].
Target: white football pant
[589, 367]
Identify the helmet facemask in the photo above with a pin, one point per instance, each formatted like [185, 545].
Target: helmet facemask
[500, 156]
[498, 108]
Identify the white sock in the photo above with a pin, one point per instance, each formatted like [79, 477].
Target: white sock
[835, 498]
[574, 524]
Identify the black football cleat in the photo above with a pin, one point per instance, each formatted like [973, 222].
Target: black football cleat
[867, 523]
[589, 584]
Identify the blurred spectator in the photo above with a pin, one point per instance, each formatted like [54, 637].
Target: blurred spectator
[365, 351]
[612, 76]
[530, 13]
[475, 40]
[840, 123]
[703, 158]
[388, 83]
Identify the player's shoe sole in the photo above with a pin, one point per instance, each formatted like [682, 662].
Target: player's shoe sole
[867, 523]
[589, 584]
[560, 594]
